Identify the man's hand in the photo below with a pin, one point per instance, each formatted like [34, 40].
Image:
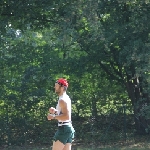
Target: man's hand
[52, 110]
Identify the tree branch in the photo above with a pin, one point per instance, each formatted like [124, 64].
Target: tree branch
[109, 72]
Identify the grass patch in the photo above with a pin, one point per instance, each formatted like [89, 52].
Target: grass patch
[142, 143]
[137, 146]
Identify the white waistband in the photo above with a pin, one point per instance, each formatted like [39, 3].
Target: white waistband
[59, 125]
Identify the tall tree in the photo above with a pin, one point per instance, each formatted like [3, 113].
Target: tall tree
[115, 35]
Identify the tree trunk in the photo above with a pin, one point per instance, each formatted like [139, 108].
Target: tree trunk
[94, 108]
[139, 101]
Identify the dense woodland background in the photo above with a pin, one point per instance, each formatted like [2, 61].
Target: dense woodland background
[101, 46]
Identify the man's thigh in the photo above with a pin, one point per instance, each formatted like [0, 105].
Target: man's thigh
[67, 146]
[58, 145]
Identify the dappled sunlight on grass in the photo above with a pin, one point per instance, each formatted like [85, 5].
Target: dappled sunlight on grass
[138, 144]
[25, 148]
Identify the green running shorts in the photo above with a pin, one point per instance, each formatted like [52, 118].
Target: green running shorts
[64, 134]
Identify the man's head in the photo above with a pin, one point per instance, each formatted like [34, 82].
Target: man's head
[61, 85]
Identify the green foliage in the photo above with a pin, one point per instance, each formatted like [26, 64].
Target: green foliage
[101, 47]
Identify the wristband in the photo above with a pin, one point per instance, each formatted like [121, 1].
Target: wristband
[53, 116]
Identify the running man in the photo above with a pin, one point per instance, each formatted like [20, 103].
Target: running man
[65, 133]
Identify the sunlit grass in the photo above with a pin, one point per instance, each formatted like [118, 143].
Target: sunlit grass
[141, 144]
[133, 147]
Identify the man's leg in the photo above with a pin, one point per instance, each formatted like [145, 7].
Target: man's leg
[58, 145]
[67, 146]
